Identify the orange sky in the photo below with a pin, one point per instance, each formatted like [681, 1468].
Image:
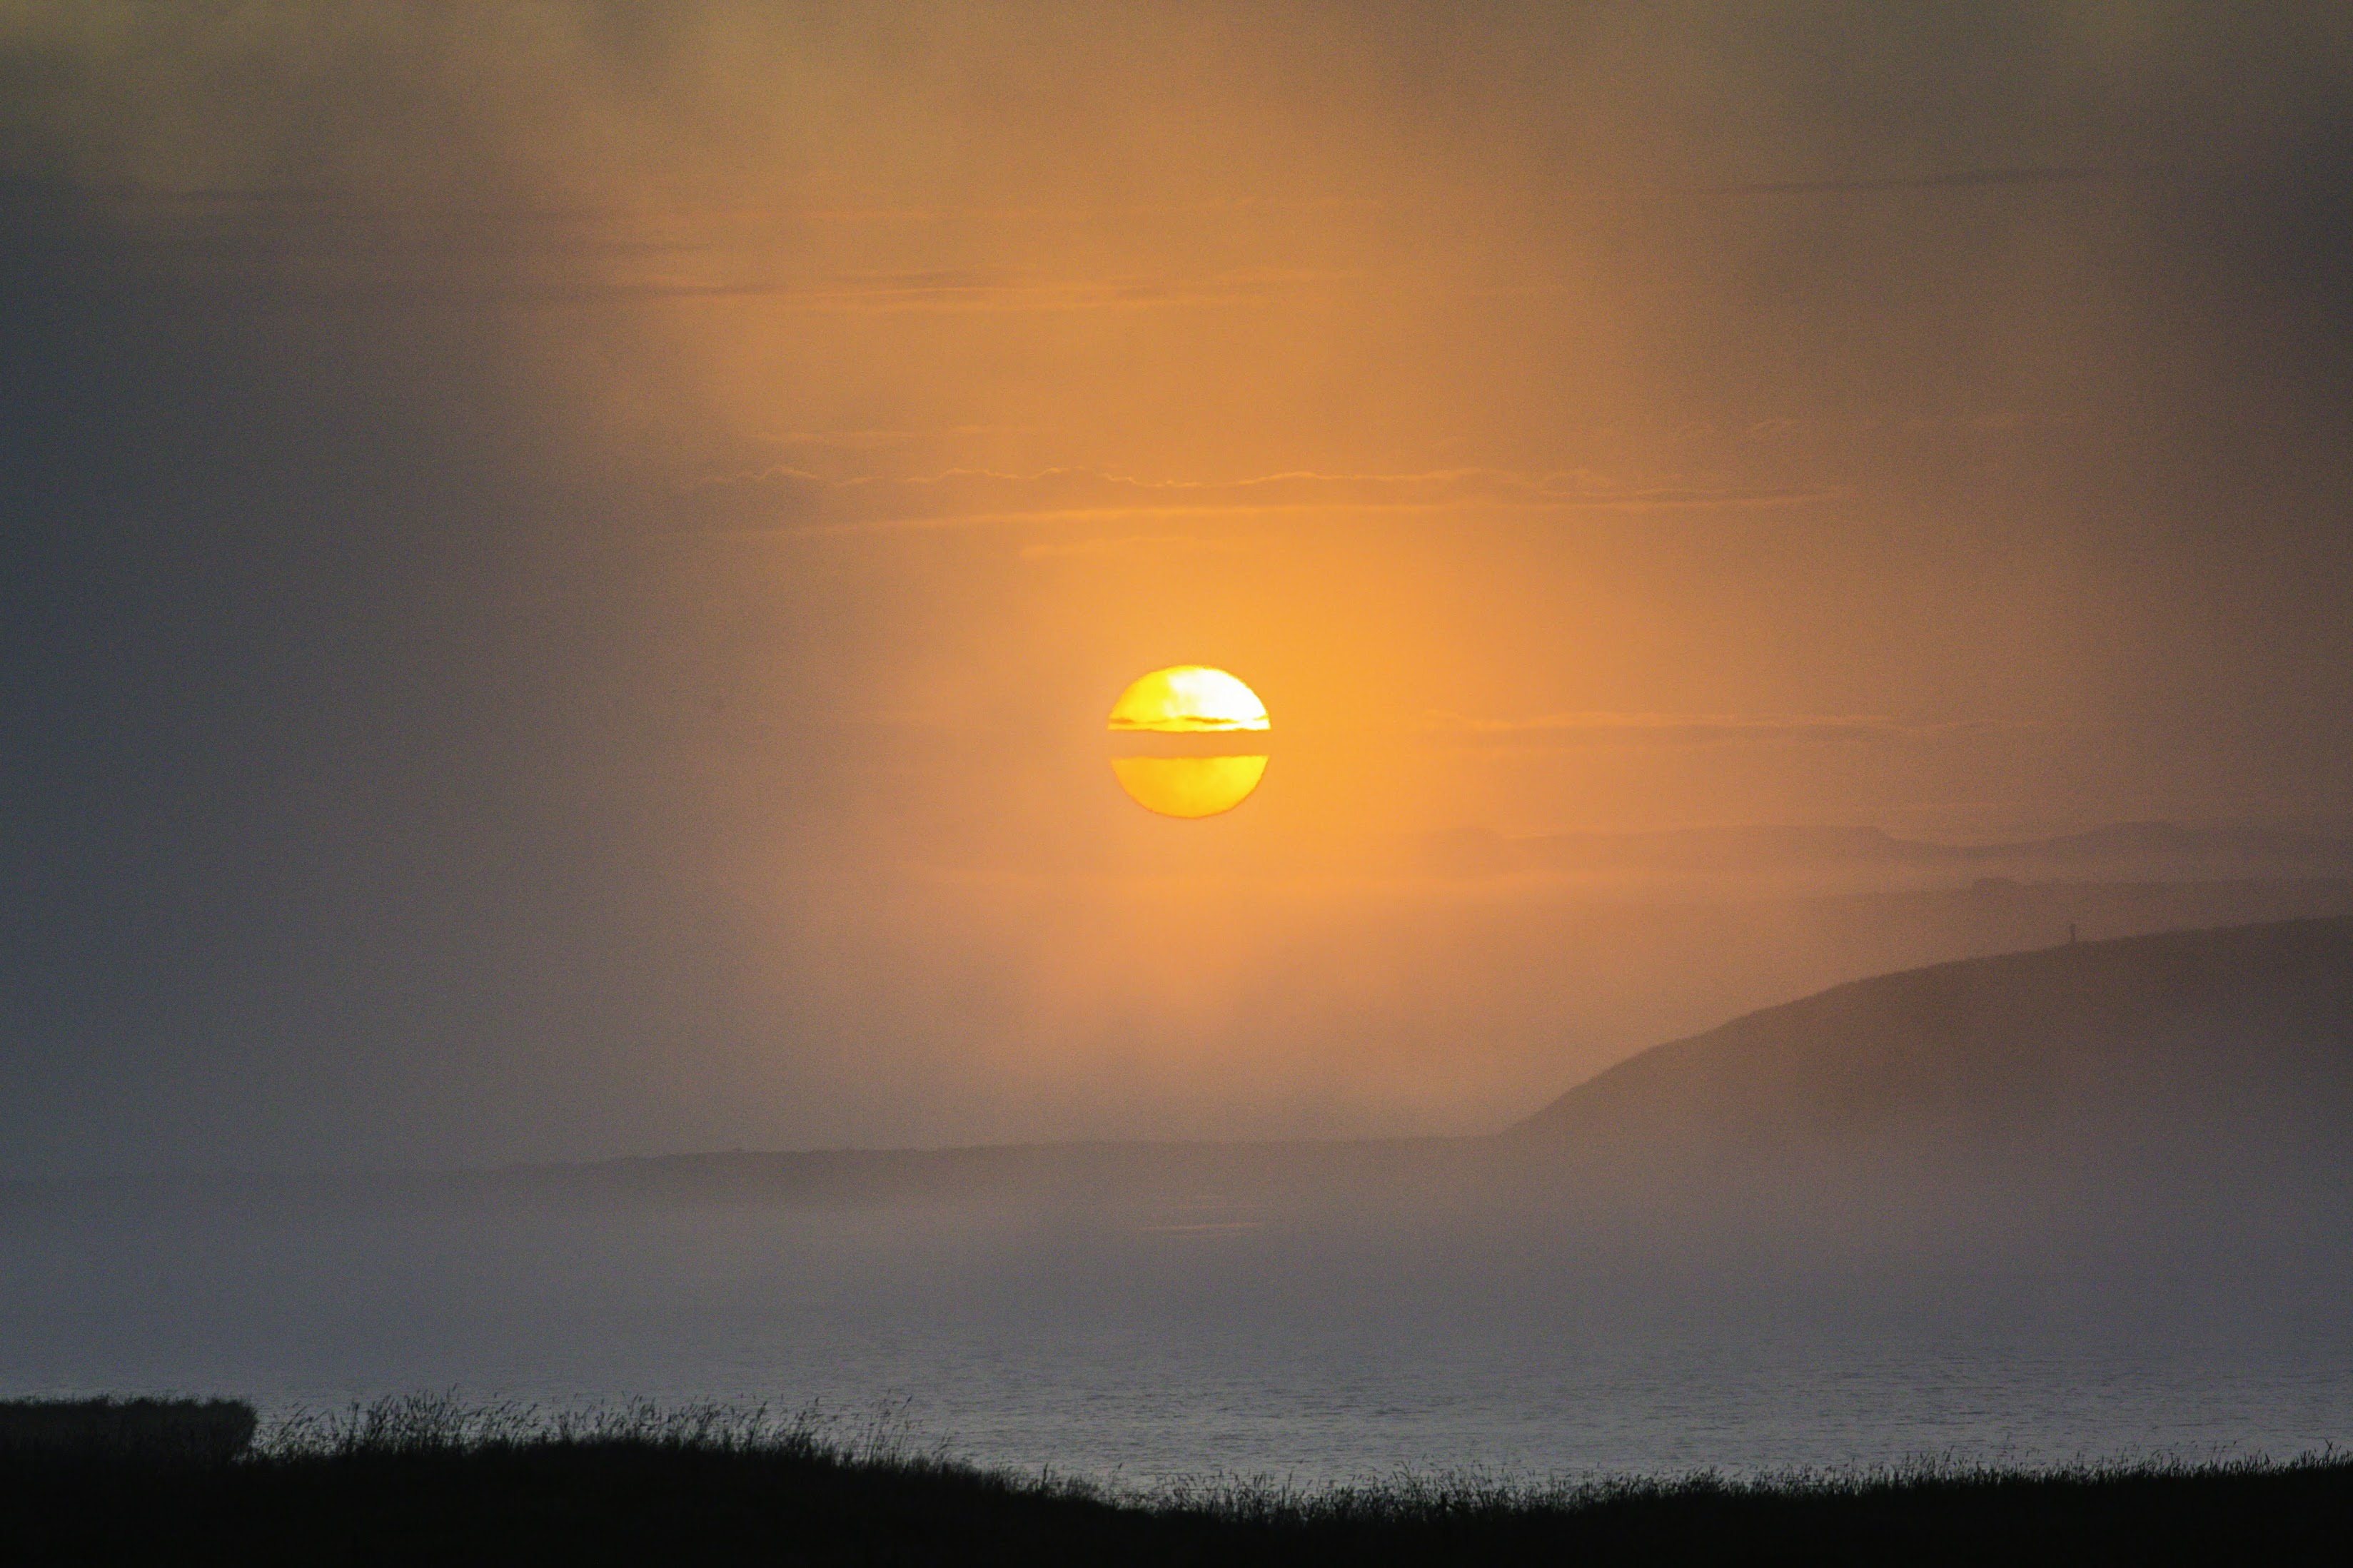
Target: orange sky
[1566, 419]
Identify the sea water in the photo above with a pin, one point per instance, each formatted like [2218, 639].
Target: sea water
[1139, 1350]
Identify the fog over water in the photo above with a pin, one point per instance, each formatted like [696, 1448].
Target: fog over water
[1181, 1342]
[2087, 1201]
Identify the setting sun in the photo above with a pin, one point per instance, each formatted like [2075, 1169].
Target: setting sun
[1188, 700]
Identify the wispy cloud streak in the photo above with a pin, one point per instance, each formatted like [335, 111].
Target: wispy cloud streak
[1951, 180]
[794, 502]
[1559, 730]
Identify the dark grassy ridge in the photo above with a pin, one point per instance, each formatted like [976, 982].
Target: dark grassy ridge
[409, 1483]
[168, 1428]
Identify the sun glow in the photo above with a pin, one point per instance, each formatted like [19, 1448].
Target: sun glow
[1188, 787]
[1188, 700]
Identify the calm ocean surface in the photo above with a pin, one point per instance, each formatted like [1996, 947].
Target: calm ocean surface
[1143, 1352]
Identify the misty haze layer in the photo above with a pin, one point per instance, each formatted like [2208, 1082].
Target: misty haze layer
[566, 565]
[2085, 1202]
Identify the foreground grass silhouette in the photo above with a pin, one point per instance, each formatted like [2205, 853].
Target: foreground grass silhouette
[425, 1480]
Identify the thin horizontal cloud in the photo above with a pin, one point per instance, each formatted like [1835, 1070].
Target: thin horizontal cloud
[1950, 180]
[1067, 212]
[1562, 731]
[324, 279]
[891, 293]
[313, 247]
[318, 205]
[339, 201]
[1988, 422]
[794, 502]
[841, 440]
[1127, 543]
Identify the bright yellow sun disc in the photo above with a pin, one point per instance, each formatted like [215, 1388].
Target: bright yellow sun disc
[1188, 787]
[1188, 700]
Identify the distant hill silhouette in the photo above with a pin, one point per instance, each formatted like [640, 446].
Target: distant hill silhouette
[2222, 1056]
[2226, 1050]
[1861, 856]
[2231, 1046]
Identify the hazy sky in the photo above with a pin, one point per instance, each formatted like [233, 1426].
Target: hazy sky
[566, 565]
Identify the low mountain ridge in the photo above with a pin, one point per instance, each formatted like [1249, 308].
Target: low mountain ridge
[2235, 1043]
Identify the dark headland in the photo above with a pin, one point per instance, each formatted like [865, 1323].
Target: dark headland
[2243, 1034]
